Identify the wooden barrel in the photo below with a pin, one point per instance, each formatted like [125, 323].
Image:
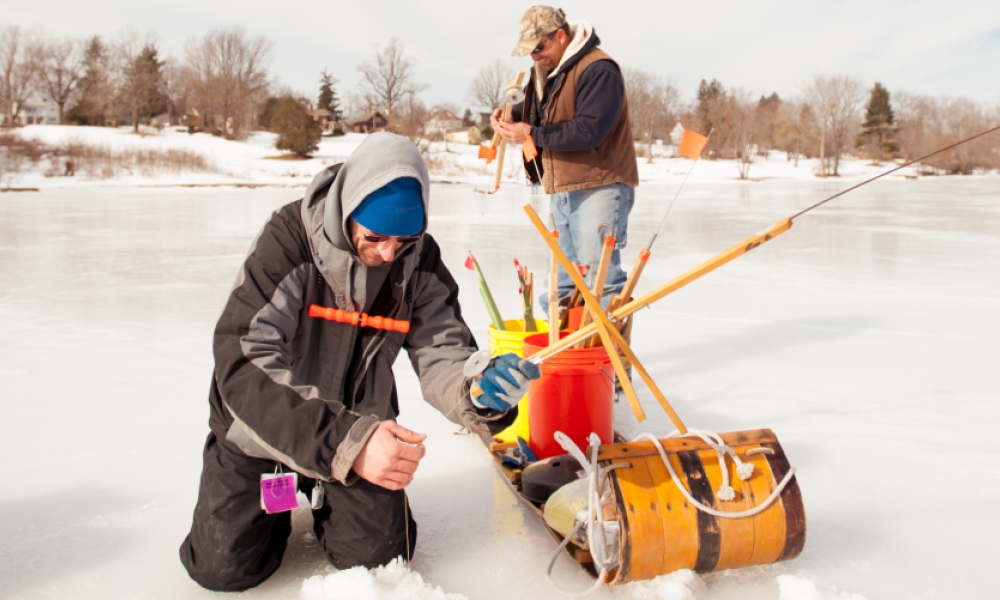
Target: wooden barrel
[661, 532]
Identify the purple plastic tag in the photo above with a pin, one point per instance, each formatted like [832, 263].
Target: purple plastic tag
[278, 492]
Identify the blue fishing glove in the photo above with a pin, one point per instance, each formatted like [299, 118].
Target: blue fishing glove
[505, 382]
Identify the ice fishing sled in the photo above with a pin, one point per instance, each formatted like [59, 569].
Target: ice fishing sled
[652, 517]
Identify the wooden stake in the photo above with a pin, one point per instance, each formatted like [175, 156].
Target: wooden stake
[554, 296]
[599, 279]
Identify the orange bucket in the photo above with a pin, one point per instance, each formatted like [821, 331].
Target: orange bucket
[574, 395]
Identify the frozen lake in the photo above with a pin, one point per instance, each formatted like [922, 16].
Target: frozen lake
[863, 337]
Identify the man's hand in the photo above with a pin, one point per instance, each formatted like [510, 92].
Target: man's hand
[512, 132]
[390, 456]
[505, 381]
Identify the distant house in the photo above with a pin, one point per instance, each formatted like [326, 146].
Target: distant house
[370, 122]
[35, 111]
[161, 120]
[441, 122]
[472, 135]
[677, 134]
[327, 120]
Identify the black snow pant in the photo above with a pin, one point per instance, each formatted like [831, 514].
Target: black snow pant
[234, 545]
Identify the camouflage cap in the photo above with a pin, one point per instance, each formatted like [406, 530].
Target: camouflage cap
[537, 23]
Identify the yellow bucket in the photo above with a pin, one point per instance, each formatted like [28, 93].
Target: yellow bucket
[512, 340]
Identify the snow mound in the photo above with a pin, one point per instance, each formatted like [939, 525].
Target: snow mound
[796, 587]
[679, 585]
[391, 582]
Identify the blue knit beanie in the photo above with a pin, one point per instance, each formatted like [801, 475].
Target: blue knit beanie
[396, 208]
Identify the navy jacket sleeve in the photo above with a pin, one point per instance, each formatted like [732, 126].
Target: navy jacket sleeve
[600, 94]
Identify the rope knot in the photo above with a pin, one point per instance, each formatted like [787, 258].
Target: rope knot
[744, 470]
[726, 493]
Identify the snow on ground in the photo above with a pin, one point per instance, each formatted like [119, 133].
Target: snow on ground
[256, 162]
[865, 337]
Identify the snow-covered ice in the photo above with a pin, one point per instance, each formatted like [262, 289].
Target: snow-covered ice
[864, 337]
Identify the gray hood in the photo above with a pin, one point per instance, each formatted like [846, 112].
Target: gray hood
[380, 159]
[334, 194]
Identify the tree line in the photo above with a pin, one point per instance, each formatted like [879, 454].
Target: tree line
[223, 78]
[834, 116]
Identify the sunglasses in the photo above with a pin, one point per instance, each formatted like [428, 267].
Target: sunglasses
[375, 238]
[542, 43]
[404, 239]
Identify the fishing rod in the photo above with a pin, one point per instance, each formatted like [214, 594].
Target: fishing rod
[513, 95]
[724, 257]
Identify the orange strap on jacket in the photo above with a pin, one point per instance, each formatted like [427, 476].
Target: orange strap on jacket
[358, 319]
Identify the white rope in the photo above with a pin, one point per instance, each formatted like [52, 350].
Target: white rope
[594, 521]
[719, 448]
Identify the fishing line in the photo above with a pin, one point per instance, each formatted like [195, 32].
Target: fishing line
[915, 160]
[656, 232]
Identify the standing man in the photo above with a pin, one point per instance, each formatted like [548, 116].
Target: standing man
[576, 111]
[297, 394]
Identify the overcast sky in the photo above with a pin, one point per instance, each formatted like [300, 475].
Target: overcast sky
[935, 47]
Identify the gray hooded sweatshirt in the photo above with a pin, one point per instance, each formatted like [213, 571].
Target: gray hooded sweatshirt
[309, 392]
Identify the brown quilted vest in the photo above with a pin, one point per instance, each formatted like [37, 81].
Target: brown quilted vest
[613, 161]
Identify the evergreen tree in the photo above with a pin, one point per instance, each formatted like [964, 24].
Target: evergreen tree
[267, 113]
[768, 110]
[878, 130]
[711, 97]
[297, 132]
[142, 84]
[328, 94]
[149, 68]
[93, 88]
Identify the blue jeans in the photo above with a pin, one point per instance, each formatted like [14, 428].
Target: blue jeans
[578, 214]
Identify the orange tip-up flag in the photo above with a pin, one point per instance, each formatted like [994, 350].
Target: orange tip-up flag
[692, 144]
[487, 152]
[528, 147]
[470, 262]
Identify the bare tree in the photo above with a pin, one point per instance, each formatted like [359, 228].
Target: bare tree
[742, 128]
[795, 130]
[918, 119]
[927, 123]
[229, 67]
[766, 118]
[20, 60]
[837, 100]
[410, 119]
[61, 69]
[176, 89]
[652, 103]
[354, 105]
[486, 90]
[388, 76]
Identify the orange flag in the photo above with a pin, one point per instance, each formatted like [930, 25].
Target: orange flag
[487, 152]
[692, 144]
[528, 147]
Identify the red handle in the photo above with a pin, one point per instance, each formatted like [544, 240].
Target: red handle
[359, 319]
